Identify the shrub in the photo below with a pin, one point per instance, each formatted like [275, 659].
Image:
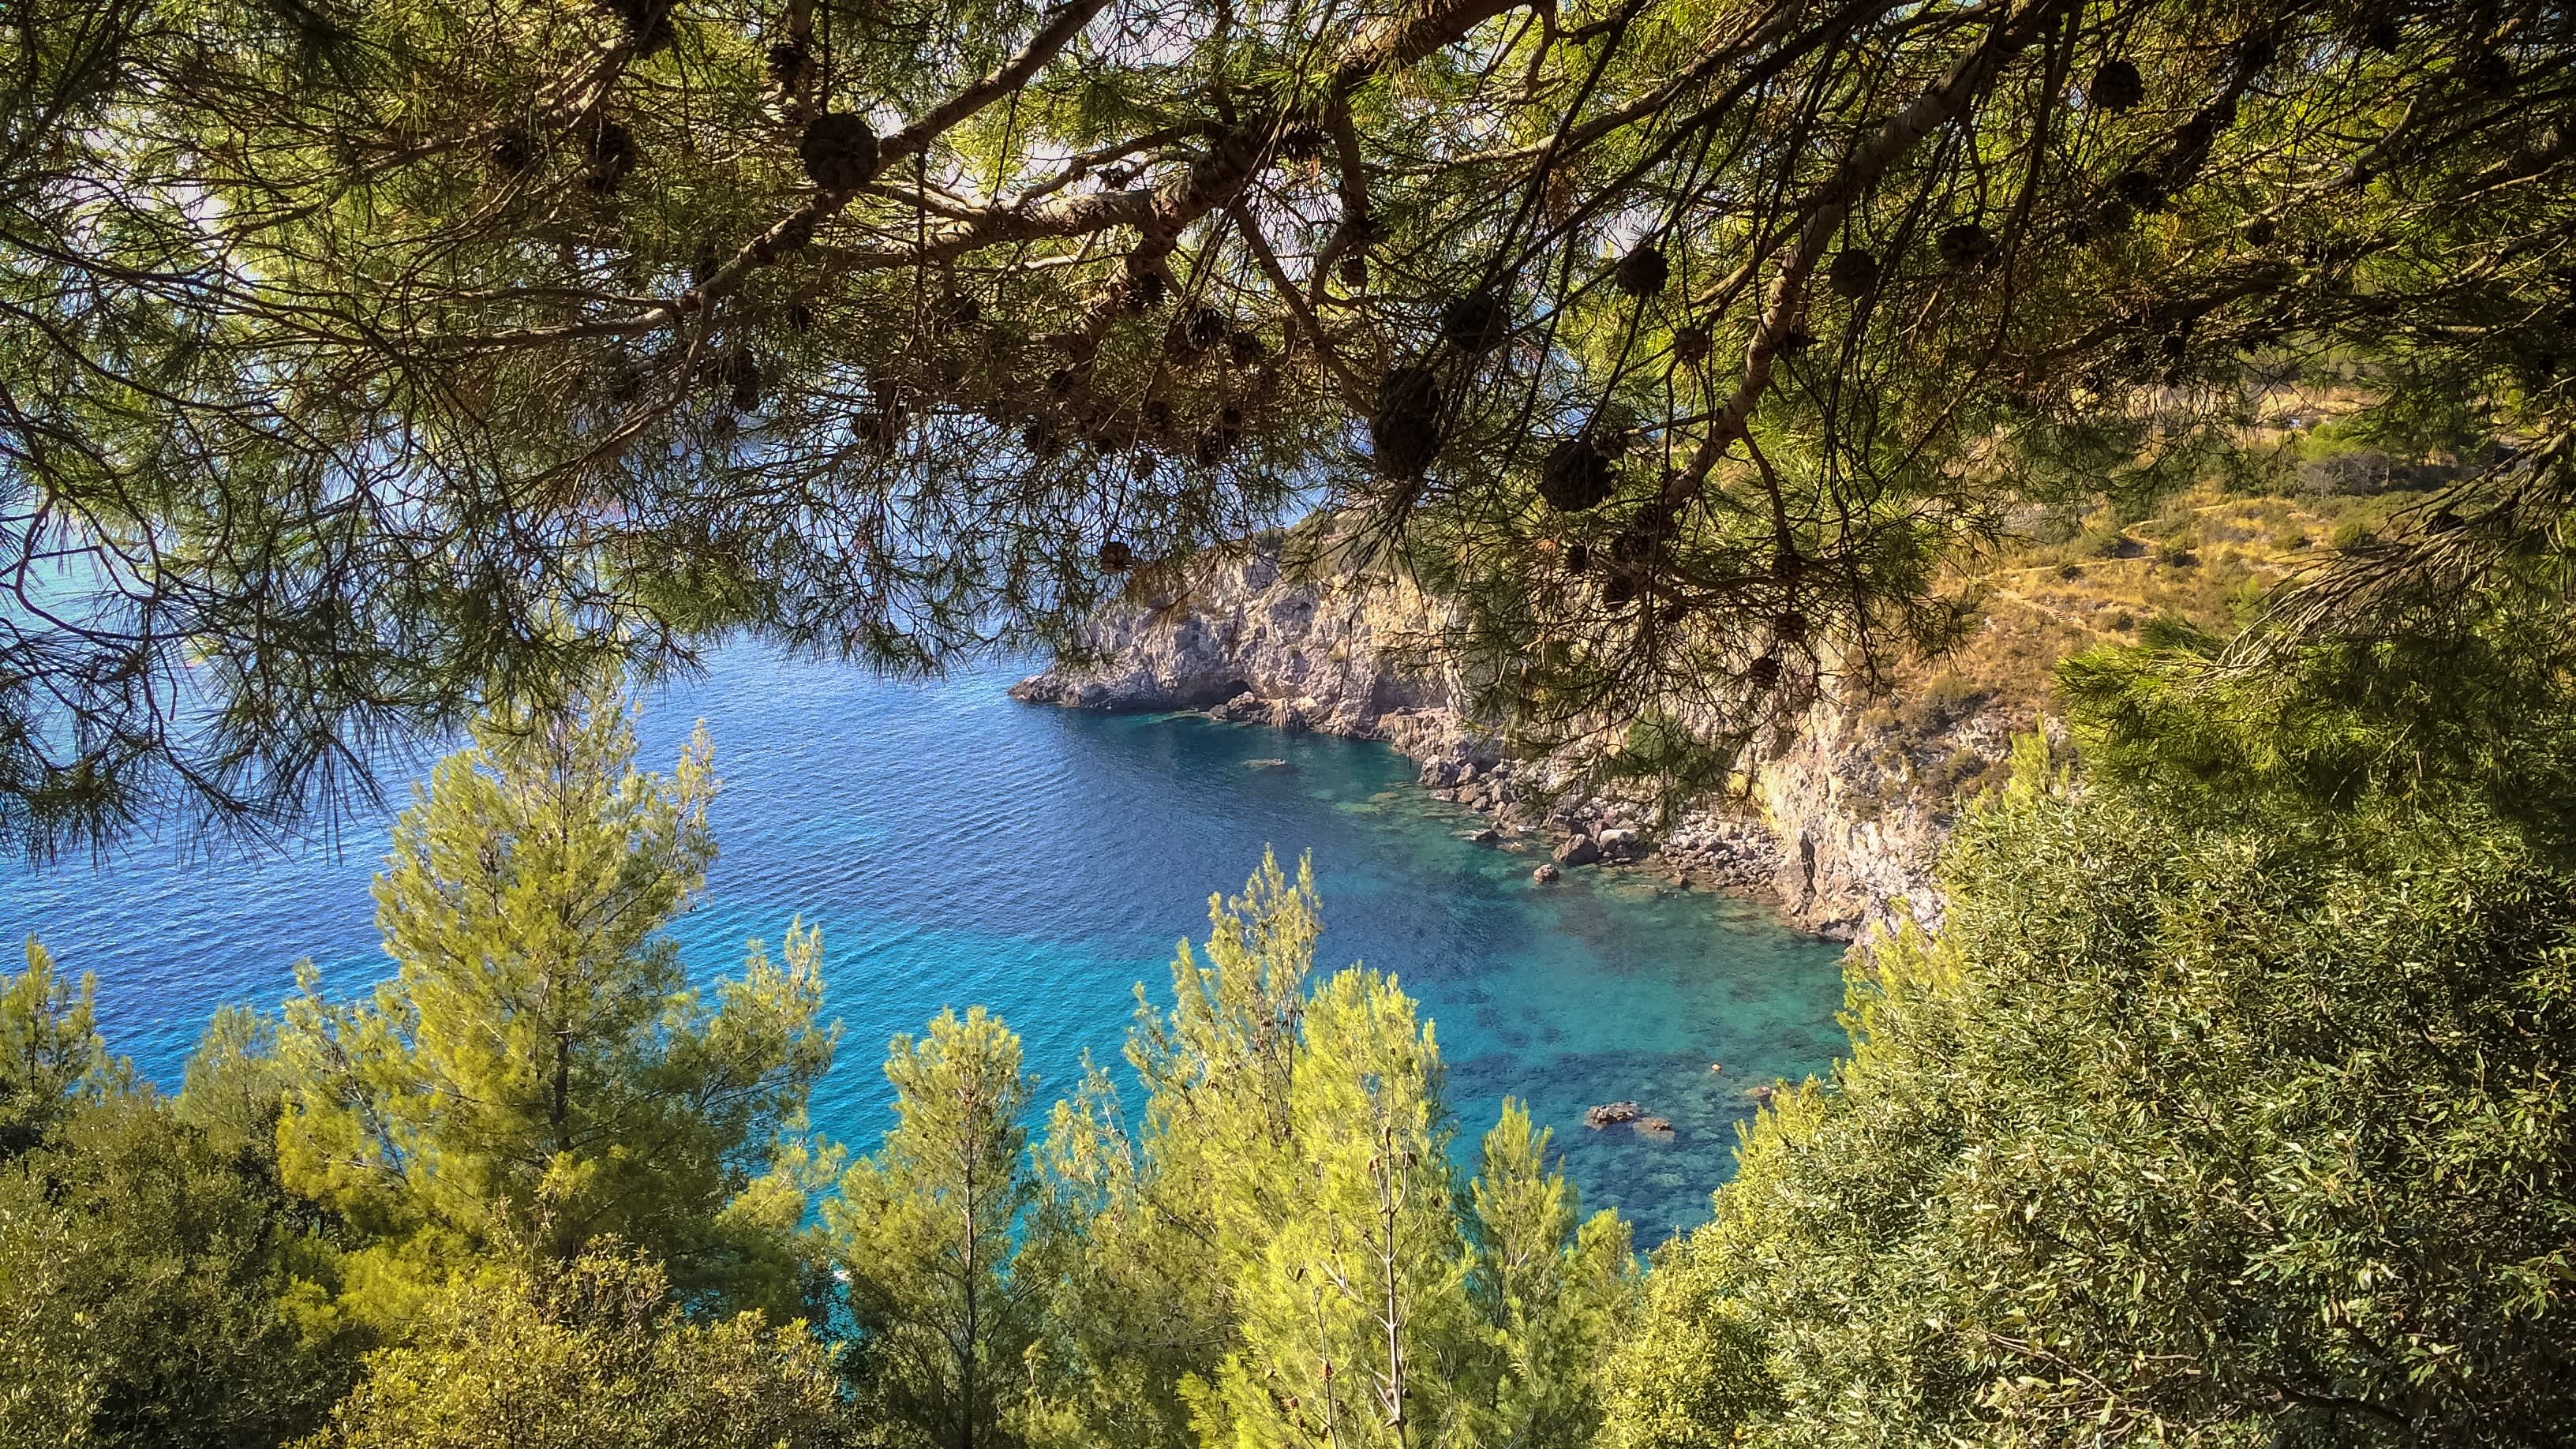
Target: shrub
[2179, 1133]
[1940, 702]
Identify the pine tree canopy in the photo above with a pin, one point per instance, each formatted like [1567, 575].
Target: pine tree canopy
[368, 360]
[539, 1071]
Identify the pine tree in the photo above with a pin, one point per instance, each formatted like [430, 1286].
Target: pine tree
[235, 1087]
[52, 1058]
[1278, 1254]
[705, 316]
[923, 1232]
[1145, 1227]
[1355, 1325]
[1551, 1287]
[539, 1070]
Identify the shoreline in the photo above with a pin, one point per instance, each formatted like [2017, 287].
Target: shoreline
[1836, 818]
[1705, 850]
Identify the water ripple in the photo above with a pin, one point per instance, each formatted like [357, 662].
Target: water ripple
[956, 847]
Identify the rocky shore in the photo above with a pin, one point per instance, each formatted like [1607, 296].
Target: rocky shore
[1839, 821]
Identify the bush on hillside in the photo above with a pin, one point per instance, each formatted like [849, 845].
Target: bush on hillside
[2182, 1131]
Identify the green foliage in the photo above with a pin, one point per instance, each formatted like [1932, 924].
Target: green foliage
[2185, 1128]
[1280, 1252]
[1353, 1318]
[235, 1088]
[52, 1059]
[923, 1232]
[538, 1070]
[583, 1353]
[2449, 724]
[1549, 1286]
[159, 1290]
[434, 351]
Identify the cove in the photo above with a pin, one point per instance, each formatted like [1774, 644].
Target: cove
[957, 847]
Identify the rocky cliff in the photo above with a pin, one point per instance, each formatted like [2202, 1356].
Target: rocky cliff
[1840, 819]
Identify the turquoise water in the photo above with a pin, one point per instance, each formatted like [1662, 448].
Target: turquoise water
[957, 847]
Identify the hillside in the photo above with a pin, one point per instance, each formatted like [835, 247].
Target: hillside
[1840, 815]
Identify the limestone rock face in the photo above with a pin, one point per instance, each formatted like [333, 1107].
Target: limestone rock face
[1841, 818]
[1251, 643]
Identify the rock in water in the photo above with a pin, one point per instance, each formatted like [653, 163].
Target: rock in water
[1577, 851]
[1547, 873]
[1244, 708]
[1611, 1113]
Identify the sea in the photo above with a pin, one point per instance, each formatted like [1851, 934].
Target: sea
[957, 848]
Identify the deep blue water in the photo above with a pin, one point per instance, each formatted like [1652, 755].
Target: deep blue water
[957, 847]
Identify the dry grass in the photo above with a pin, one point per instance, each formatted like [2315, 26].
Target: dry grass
[2204, 556]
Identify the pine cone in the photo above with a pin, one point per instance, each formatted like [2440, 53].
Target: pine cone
[839, 151]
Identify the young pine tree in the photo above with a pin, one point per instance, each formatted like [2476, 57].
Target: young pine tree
[1144, 1229]
[923, 1232]
[1549, 1286]
[52, 1059]
[235, 1086]
[1355, 1327]
[1278, 1255]
[539, 1069]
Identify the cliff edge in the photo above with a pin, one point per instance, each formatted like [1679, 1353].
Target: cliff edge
[1839, 818]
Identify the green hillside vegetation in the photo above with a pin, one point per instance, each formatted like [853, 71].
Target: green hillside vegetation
[2227, 1108]
[2198, 372]
[2206, 547]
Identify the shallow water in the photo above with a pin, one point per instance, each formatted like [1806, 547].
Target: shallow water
[957, 847]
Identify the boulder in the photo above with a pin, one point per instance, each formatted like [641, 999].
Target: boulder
[1244, 708]
[1547, 873]
[1576, 850]
[1610, 1113]
[1487, 836]
[1619, 843]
